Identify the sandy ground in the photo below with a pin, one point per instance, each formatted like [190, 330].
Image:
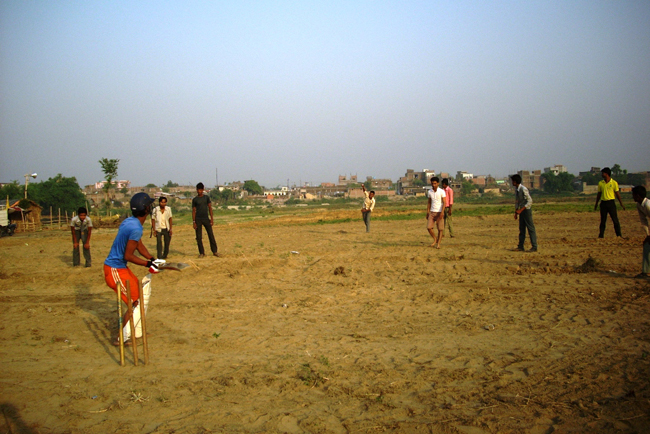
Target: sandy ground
[355, 333]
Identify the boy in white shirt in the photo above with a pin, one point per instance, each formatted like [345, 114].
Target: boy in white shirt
[435, 207]
[161, 222]
[643, 207]
[368, 206]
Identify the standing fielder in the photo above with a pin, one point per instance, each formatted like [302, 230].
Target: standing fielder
[127, 241]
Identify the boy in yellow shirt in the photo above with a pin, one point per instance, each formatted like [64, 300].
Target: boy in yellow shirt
[608, 192]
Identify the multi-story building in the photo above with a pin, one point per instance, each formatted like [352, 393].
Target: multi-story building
[343, 180]
[464, 176]
[383, 184]
[556, 170]
[532, 180]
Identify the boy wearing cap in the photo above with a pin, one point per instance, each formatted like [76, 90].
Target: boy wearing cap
[126, 243]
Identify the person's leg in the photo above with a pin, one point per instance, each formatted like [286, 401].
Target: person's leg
[614, 214]
[76, 257]
[522, 231]
[84, 238]
[603, 218]
[199, 236]
[440, 223]
[366, 220]
[430, 225]
[646, 258]
[120, 276]
[527, 216]
[448, 222]
[167, 239]
[159, 245]
[213, 242]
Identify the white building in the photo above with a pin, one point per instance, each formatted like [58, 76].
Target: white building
[556, 170]
[116, 184]
[284, 191]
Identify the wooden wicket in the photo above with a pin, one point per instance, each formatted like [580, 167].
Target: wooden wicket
[119, 323]
[129, 303]
[144, 327]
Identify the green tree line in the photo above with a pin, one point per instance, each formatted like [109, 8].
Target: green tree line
[58, 192]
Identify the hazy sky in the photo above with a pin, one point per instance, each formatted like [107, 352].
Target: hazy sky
[308, 90]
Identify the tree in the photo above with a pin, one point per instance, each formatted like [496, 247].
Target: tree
[13, 190]
[109, 167]
[417, 182]
[59, 192]
[368, 184]
[252, 187]
[171, 184]
[557, 183]
[150, 185]
[616, 170]
[467, 187]
[224, 196]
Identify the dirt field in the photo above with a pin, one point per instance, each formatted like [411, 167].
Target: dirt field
[354, 333]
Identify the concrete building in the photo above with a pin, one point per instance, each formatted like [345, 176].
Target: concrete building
[118, 185]
[382, 184]
[464, 176]
[556, 170]
[343, 180]
[531, 179]
[407, 183]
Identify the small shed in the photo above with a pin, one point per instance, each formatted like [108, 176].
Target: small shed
[27, 217]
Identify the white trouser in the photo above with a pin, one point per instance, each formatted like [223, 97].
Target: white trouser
[146, 293]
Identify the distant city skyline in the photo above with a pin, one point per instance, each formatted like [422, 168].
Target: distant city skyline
[309, 90]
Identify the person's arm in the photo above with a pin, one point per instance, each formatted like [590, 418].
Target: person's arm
[211, 217]
[153, 225]
[618, 196]
[75, 241]
[194, 216]
[87, 244]
[643, 217]
[428, 207]
[130, 256]
[597, 200]
[450, 200]
[170, 226]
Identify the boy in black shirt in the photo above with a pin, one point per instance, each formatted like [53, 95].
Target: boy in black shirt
[202, 216]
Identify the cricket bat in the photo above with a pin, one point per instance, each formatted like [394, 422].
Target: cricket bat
[176, 266]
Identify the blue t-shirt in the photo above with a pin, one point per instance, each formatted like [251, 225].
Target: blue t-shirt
[130, 229]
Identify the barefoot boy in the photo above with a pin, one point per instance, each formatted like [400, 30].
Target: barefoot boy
[81, 227]
[450, 203]
[523, 204]
[435, 207]
[643, 206]
[127, 241]
[368, 206]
